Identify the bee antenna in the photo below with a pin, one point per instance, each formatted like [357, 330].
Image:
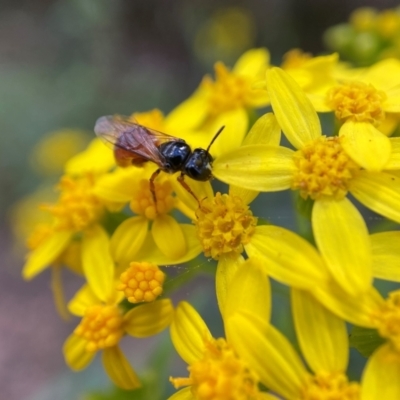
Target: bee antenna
[215, 137]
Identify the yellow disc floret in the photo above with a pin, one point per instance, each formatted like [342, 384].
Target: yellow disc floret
[77, 207]
[142, 281]
[101, 326]
[330, 386]
[388, 319]
[143, 201]
[228, 92]
[220, 375]
[357, 101]
[224, 224]
[323, 169]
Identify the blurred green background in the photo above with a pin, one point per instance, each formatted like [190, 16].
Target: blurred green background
[65, 63]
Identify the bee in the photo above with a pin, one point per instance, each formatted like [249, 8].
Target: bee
[135, 144]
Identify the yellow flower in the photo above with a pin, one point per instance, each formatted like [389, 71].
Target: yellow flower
[321, 170]
[229, 96]
[95, 159]
[152, 221]
[76, 216]
[215, 370]
[102, 327]
[380, 376]
[226, 228]
[141, 282]
[324, 343]
[364, 103]
[315, 75]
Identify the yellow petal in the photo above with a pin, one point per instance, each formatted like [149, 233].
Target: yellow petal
[117, 187]
[188, 333]
[265, 130]
[168, 236]
[128, 239]
[58, 293]
[322, 335]
[394, 159]
[354, 309]
[268, 353]
[288, 258]
[386, 255]
[183, 394]
[246, 195]
[151, 253]
[118, 369]
[342, 238]
[235, 122]
[378, 191]
[384, 74]
[392, 102]
[252, 63]
[46, 253]
[189, 114]
[201, 190]
[83, 299]
[97, 263]
[97, 158]
[149, 319]
[261, 168]
[365, 145]
[249, 289]
[380, 378]
[226, 270]
[75, 354]
[293, 110]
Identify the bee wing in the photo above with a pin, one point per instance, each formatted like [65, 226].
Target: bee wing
[118, 131]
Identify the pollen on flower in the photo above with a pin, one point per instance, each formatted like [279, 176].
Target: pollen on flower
[143, 202]
[228, 92]
[387, 319]
[101, 326]
[326, 385]
[77, 207]
[357, 101]
[141, 282]
[323, 169]
[220, 375]
[224, 224]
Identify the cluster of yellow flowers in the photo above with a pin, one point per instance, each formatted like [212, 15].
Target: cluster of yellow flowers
[331, 279]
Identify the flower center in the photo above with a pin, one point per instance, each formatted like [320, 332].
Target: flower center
[388, 319]
[143, 202]
[330, 386]
[227, 92]
[220, 375]
[323, 169]
[224, 224]
[357, 101]
[101, 326]
[77, 207]
[141, 282]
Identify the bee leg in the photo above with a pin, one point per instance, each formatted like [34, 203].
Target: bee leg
[152, 187]
[181, 180]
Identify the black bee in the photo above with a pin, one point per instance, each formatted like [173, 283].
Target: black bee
[135, 144]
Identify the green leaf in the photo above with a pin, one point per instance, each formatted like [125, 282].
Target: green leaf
[366, 341]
